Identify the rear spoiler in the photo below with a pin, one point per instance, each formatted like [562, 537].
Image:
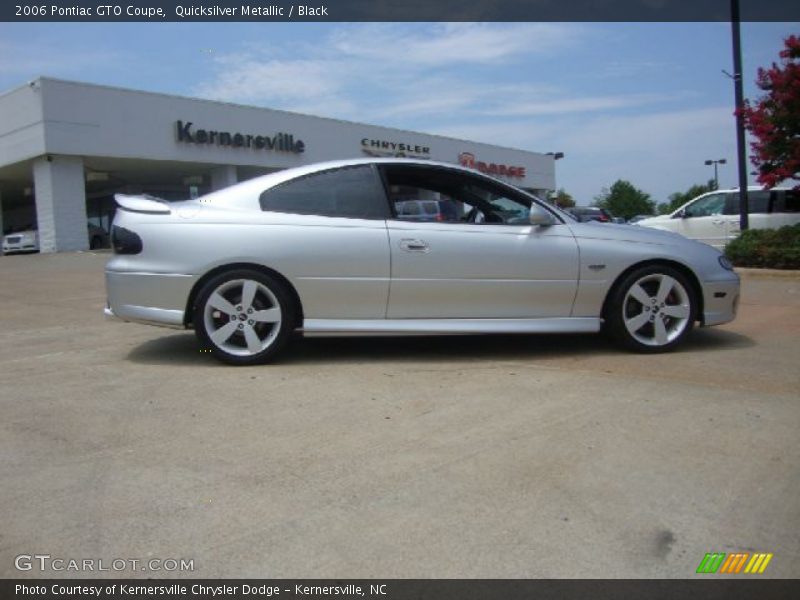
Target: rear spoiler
[142, 204]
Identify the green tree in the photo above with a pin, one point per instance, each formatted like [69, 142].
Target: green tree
[625, 200]
[678, 199]
[563, 199]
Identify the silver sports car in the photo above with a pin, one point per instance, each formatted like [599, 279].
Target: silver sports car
[320, 249]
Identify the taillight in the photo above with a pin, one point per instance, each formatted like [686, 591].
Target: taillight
[125, 241]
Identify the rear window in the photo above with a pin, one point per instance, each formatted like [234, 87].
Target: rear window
[757, 203]
[353, 192]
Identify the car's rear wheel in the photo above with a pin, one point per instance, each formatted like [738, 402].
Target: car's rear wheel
[244, 317]
[652, 310]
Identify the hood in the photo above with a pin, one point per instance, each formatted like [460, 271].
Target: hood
[627, 233]
[657, 219]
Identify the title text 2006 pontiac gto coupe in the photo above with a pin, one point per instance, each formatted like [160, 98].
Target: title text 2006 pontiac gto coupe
[322, 249]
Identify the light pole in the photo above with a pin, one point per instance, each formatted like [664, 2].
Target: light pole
[738, 88]
[720, 161]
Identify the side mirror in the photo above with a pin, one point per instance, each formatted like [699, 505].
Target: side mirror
[682, 215]
[540, 217]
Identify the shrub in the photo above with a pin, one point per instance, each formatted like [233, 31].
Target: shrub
[766, 248]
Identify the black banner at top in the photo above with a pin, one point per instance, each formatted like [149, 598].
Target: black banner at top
[396, 10]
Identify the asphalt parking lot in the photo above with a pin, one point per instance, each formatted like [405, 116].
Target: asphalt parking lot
[497, 457]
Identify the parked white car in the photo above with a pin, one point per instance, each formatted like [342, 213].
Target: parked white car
[713, 218]
[28, 241]
[21, 241]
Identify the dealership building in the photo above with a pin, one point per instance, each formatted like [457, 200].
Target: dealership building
[66, 148]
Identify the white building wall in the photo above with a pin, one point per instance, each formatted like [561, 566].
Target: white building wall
[72, 121]
[92, 120]
[21, 124]
[60, 194]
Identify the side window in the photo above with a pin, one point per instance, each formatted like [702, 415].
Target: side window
[352, 192]
[452, 197]
[707, 206]
[408, 209]
[788, 201]
[757, 203]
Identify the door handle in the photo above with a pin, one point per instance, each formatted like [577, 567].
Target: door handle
[414, 245]
[718, 221]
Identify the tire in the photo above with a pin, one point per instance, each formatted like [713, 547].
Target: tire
[95, 243]
[244, 317]
[652, 310]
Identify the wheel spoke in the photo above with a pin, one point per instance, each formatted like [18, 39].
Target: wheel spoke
[661, 331]
[248, 293]
[219, 302]
[270, 315]
[253, 341]
[677, 311]
[221, 335]
[664, 288]
[634, 324]
[640, 295]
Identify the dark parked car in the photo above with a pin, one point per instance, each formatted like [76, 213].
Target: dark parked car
[590, 213]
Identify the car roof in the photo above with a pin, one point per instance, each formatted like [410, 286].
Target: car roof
[240, 193]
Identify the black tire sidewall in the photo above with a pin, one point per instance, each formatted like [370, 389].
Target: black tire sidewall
[287, 316]
[615, 320]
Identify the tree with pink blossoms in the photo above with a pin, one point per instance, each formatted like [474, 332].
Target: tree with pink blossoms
[774, 120]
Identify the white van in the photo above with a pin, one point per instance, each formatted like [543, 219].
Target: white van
[713, 218]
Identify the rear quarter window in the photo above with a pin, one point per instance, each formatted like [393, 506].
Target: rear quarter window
[352, 192]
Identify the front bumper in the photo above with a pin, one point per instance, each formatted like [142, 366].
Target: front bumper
[721, 301]
[19, 248]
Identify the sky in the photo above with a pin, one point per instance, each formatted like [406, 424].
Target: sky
[646, 102]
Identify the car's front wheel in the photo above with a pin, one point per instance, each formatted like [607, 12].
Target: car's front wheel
[652, 310]
[243, 317]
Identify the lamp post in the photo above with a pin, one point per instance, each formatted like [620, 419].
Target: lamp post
[738, 88]
[720, 161]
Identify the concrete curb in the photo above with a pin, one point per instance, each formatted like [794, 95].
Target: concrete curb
[751, 273]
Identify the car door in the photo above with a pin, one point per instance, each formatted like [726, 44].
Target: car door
[758, 210]
[483, 260]
[703, 220]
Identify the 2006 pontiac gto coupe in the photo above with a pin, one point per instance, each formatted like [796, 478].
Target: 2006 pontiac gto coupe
[320, 249]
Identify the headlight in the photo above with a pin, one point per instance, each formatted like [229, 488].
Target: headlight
[725, 263]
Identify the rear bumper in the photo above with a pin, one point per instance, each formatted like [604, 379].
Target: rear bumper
[151, 298]
[146, 315]
[720, 302]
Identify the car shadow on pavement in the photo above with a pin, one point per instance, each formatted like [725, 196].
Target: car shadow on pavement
[714, 338]
[184, 350]
[485, 347]
[179, 349]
